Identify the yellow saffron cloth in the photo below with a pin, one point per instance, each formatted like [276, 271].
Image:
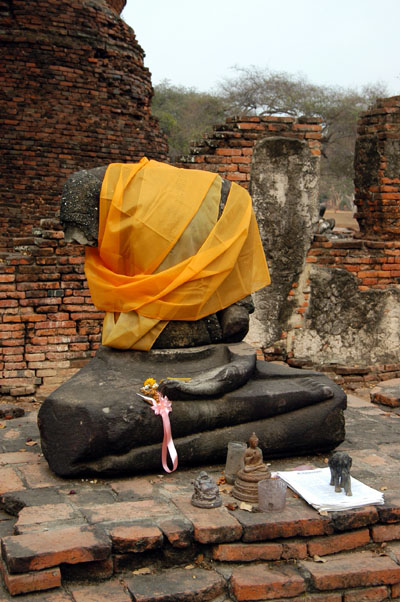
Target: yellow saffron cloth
[163, 254]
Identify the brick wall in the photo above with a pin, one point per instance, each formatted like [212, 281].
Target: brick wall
[376, 264]
[377, 165]
[228, 150]
[49, 327]
[74, 94]
[372, 256]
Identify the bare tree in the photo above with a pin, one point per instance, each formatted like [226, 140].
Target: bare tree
[186, 114]
[258, 91]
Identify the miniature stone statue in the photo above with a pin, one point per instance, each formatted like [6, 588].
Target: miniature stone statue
[246, 483]
[340, 464]
[206, 492]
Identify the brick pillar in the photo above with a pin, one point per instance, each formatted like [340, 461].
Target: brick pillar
[377, 171]
[74, 94]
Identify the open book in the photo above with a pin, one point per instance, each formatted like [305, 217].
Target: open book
[314, 487]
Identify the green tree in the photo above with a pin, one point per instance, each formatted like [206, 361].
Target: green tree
[185, 115]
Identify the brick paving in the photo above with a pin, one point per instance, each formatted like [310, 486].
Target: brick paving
[139, 538]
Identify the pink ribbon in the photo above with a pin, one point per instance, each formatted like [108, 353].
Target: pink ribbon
[162, 407]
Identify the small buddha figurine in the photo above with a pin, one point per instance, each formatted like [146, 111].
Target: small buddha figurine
[206, 492]
[246, 483]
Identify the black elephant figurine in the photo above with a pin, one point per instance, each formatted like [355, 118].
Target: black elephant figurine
[340, 464]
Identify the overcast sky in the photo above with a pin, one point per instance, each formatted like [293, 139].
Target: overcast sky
[195, 43]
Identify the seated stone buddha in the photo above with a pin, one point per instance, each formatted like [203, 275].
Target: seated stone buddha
[172, 256]
[169, 252]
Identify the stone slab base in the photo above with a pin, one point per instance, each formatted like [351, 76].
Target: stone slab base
[96, 423]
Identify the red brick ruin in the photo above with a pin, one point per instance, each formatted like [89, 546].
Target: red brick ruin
[75, 95]
[377, 182]
[228, 150]
[372, 255]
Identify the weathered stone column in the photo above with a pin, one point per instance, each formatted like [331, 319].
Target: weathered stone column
[284, 188]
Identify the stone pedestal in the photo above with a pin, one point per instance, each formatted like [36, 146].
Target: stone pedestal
[97, 424]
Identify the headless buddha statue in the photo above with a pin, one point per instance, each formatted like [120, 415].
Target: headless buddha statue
[172, 257]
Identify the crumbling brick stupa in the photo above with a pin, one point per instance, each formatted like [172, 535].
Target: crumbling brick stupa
[74, 94]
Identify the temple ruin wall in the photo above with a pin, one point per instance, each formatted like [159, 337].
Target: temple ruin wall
[229, 149]
[75, 94]
[49, 327]
[346, 305]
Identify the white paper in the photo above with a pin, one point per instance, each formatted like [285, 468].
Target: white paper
[314, 487]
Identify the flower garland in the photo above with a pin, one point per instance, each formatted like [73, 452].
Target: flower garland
[161, 406]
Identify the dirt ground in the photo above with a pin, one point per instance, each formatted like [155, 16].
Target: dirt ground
[343, 219]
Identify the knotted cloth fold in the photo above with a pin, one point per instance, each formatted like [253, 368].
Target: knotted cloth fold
[163, 254]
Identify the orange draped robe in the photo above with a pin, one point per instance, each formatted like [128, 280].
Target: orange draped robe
[163, 254]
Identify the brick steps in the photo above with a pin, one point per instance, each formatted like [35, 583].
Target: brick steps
[294, 554]
[359, 569]
[179, 585]
[30, 582]
[141, 539]
[36, 551]
[387, 393]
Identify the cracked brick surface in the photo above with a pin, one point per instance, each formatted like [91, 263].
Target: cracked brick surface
[353, 570]
[177, 585]
[36, 551]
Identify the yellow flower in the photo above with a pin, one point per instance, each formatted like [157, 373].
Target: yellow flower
[150, 387]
